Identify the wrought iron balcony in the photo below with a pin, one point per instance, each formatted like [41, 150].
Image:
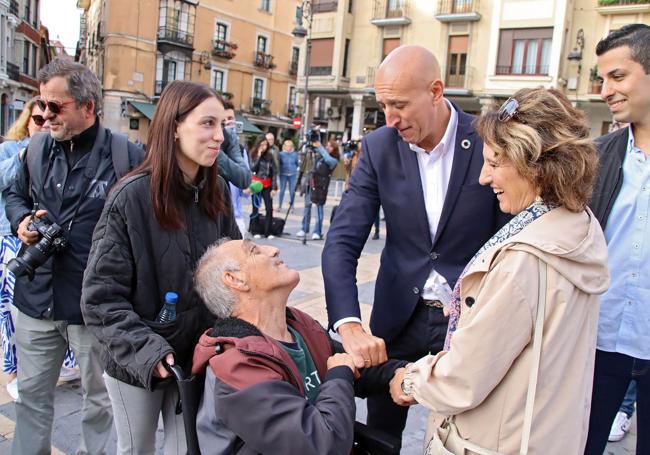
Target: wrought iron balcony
[293, 68]
[260, 106]
[175, 35]
[263, 60]
[391, 12]
[458, 10]
[324, 6]
[224, 49]
[13, 71]
[13, 7]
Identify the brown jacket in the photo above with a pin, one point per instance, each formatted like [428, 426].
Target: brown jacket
[483, 379]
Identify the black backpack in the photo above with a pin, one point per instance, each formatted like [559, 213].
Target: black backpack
[320, 182]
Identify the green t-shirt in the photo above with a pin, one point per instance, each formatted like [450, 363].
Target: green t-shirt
[302, 358]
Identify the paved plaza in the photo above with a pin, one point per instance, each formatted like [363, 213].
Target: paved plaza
[308, 296]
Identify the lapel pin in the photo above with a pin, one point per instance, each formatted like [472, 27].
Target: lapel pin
[466, 144]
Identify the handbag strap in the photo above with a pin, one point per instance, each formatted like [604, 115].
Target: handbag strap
[537, 354]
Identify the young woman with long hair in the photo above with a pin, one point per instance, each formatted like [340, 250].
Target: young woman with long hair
[156, 224]
[264, 170]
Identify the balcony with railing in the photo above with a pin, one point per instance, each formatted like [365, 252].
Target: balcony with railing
[293, 67]
[13, 71]
[293, 110]
[609, 7]
[175, 37]
[224, 49]
[13, 7]
[522, 70]
[324, 6]
[458, 10]
[390, 13]
[263, 60]
[260, 106]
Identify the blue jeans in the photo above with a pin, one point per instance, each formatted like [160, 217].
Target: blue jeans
[306, 217]
[289, 180]
[630, 398]
[612, 377]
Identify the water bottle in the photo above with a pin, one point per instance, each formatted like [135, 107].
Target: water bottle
[168, 311]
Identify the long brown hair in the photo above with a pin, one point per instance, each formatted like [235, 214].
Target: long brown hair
[255, 150]
[178, 99]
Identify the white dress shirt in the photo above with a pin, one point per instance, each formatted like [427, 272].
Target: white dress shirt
[435, 171]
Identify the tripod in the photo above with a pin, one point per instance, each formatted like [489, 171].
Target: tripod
[305, 149]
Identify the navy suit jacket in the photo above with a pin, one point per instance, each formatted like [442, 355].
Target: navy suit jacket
[387, 174]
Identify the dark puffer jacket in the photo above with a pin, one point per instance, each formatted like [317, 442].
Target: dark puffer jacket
[254, 398]
[133, 262]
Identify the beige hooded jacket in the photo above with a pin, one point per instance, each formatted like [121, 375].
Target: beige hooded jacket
[483, 378]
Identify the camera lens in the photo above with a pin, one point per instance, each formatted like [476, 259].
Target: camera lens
[33, 257]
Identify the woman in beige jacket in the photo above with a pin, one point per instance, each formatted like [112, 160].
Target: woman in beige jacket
[541, 164]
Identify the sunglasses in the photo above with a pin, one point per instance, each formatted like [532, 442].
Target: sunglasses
[508, 110]
[38, 119]
[54, 107]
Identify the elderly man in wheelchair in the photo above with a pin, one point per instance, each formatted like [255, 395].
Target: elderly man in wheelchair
[275, 382]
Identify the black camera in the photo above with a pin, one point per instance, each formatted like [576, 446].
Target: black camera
[53, 239]
[350, 146]
[313, 135]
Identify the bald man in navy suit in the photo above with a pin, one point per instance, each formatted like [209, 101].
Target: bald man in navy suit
[422, 168]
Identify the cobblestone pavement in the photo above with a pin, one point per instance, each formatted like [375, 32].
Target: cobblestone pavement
[308, 296]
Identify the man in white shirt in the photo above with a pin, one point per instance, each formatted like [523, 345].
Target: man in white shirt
[423, 169]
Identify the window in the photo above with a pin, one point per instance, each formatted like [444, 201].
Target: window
[457, 61]
[220, 35]
[176, 21]
[345, 58]
[28, 11]
[26, 47]
[292, 96]
[322, 54]
[258, 88]
[295, 54]
[389, 45]
[32, 71]
[349, 6]
[525, 51]
[218, 80]
[265, 5]
[170, 67]
[261, 43]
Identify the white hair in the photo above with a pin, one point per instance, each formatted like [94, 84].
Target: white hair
[208, 280]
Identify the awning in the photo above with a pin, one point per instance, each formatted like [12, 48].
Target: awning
[147, 109]
[270, 121]
[249, 128]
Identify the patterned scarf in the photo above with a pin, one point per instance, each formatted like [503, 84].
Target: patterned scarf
[515, 226]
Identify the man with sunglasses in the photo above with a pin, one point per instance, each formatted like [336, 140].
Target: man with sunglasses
[63, 179]
[423, 169]
[621, 202]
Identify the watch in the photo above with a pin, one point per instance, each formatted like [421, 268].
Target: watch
[407, 386]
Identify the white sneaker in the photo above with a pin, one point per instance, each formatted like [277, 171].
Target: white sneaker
[257, 236]
[316, 237]
[300, 233]
[620, 426]
[12, 388]
[69, 374]
[270, 237]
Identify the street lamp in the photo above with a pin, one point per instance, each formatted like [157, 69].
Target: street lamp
[305, 12]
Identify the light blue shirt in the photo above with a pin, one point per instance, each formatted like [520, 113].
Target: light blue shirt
[624, 324]
[9, 164]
